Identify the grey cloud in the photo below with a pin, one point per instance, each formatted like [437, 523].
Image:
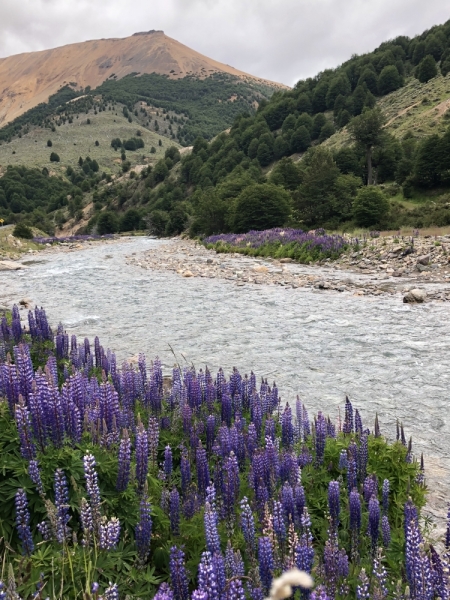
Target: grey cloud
[283, 41]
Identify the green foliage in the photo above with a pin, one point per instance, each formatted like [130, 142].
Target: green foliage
[22, 231]
[427, 69]
[107, 223]
[389, 80]
[370, 206]
[54, 157]
[261, 206]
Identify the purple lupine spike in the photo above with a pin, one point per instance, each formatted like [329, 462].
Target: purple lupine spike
[153, 438]
[300, 502]
[386, 531]
[362, 589]
[334, 505]
[44, 529]
[109, 534]
[248, 525]
[358, 423]
[269, 429]
[202, 470]
[207, 577]
[185, 468]
[279, 526]
[343, 461]
[62, 506]
[231, 482]
[321, 434]
[87, 522]
[164, 592]
[252, 440]
[199, 595]
[351, 475]
[342, 564]
[178, 574]
[92, 488]
[23, 522]
[111, 592]
[287, 501]
[363, 456]
[218, 565]
[35, 476]
[355, 510]
[143, 531]
[168, 461]
[266, 564]
[211, 521]
[305, 458]
[141, 456]
[377, 432]
[174, 511]
[287, 428]
[235, 590]
[380, 576]
[348, 426]
[385, 496]
[438, 575]
[374, 520]
[124, 462]
[210, 432]
[23, 421]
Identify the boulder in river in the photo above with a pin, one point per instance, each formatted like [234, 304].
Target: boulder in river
[415, 296]
[188, 274]
[9, 265]
[424, 259]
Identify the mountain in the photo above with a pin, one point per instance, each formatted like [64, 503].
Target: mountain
[29, 79]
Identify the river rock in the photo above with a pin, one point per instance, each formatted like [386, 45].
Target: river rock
[322, 285]
[424, 260]
[415, 296]
[188, 274]
[286, 260]
[260, 269]
[3, 308]
[9, 265]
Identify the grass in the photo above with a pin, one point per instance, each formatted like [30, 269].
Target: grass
[10, 246]
[417, 107]
[70, 141]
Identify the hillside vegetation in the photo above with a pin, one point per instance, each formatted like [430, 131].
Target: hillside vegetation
[362, 145]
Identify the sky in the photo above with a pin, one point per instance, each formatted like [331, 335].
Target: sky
[281, 40]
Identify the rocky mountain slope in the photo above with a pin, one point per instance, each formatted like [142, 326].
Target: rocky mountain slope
[30, 78]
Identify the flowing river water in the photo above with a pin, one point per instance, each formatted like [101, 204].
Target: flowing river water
[390, 358]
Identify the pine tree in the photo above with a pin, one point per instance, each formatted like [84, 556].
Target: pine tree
[427, 69]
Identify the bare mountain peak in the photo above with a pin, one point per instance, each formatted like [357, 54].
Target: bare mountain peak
[30, 78]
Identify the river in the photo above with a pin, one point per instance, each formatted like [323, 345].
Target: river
[390, 358]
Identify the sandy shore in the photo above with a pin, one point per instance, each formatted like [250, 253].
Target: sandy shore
[385, 267]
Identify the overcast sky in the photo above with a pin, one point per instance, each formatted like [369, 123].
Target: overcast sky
[282, 40]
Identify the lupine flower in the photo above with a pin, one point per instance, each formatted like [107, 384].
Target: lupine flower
[386, 531]
[109, 534]
[287, 428]
[143, 531]
[44, 529]
[278, 521]
[111, 592]
[23, 420]
[168, 461]
[178, 574]
[374, 520]
[380, 574]
[321, 434]
[235, 590]
[348, 422]
[247, 524]
[174, 511]
[87, 522]
[355, 510]
[92, 488]
[343, 461]
[363, 456]
[334, 502]
[207, 577]
[362, 589]
[265, 557]
[211, 521]
[164, 592]
[141, 456]
[351, 475]
[35, 476]
[385, 496]
[124, 463]
[62, 506]
[23, 522]
[202, 470]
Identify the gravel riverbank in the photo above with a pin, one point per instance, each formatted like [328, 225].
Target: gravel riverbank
[384, 266]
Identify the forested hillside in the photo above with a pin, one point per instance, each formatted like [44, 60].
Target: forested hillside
[363, 145]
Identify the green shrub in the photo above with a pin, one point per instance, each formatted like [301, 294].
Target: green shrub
[23, 231]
